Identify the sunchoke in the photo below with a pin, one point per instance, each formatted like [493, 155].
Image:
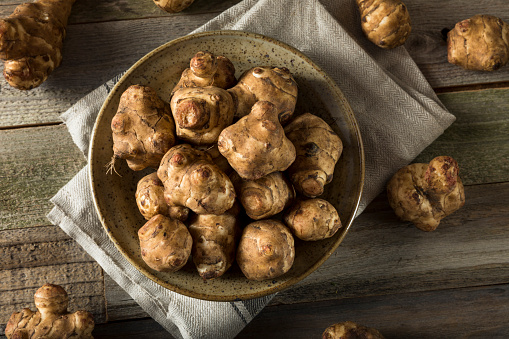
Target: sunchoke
[424, 194]
[480, 43]
[173, 6]
[215, 242]
[312, 219]
[165, 243]
[351, 330]
[272, 84]
[386, 23]
[31, 40]
[266, 196]
[318, 149]
[143, 128]
[201, 113]
[266, 250]
[51, 320]
[191, 179]
[206, 69]
[150, 199]
[256, 145]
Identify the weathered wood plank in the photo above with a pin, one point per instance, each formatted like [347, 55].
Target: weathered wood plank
[460, 313]
[119, 304]
[137, 329]
[36, 163]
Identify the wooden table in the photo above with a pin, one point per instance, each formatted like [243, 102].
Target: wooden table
[451, 283]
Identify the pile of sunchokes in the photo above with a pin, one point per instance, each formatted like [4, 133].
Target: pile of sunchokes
[229, 182]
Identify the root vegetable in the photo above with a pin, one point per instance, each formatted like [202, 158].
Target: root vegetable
[165, 243]
[313, 219]
[349, 329]
[480, 43]
[201, 113]
[272, 84]
[206, 69]
[51, 320]
[424, 194]
[31, 40]
[150, 199]
[214, 242]
[266, 196]
[318, 149]
[143, 128]
[173, 6]
[217, 157]
[256, 145]
[191, 179]
[266, 250]
[386, 23]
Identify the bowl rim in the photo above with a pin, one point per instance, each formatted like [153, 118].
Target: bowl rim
[274, 288]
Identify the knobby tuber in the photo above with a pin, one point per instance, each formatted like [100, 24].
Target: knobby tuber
[150, 199]
[201, 113]
[480, 43]
[143, 128]
[266, 196]
[318, 149]
[206, 69]
[266, 250]
[165, 243]
[256, 145]
[349, 329]
[215, 242]
[272, 84]
[31, 40]
[424, 194]
[312, 219]
[191, 179]
[173, 6]
[386, 23]
[51, 320]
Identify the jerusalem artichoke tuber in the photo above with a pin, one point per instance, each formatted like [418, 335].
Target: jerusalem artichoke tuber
[318, 149]
[256, 145]
[143, 128]
[31, 41]
[386, 23]
[479, 43]
[350, 330]
[173, 6]
[424, 194]
[51, 320]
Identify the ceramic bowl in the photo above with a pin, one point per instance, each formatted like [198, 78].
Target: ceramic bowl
[161, 69]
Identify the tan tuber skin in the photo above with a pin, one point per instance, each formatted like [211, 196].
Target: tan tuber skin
[266, 196]
[165, 243]
[206, 69]
[173, 6]
[150, 199]
[313, 219]
[51, 320]
[480, 43]
[31, 40]
[272, 84]
[266, 250]
[191, 179]
[318, 150]
[215, 242]
[386, 23]
[256, 145]
[350, 330]
[424, 194]
[201, 113]
[143, 128]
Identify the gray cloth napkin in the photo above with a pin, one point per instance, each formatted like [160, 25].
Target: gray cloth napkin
[397, 111]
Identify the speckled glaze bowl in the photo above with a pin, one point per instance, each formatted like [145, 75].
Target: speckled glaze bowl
[161, 69]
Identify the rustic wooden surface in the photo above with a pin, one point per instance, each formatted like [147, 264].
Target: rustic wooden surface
[451, 283]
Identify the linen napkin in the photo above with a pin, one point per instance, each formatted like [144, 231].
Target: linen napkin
[397, 111]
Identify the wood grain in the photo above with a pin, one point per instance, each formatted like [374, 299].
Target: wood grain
[36, 163]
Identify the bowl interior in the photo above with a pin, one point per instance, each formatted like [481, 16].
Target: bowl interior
[161, 69]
